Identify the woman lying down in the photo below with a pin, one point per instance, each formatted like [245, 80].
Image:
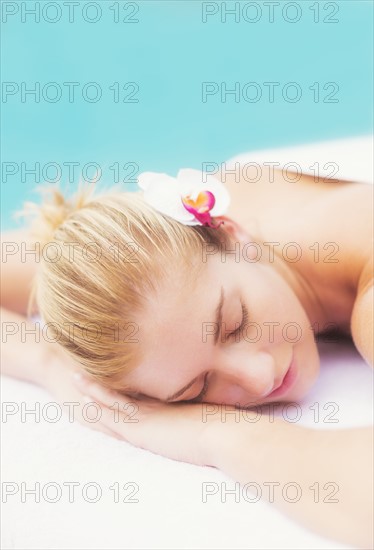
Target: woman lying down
[194, 297]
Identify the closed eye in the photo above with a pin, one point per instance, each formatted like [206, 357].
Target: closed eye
[235, 333]
[245, 319]
[199, 397]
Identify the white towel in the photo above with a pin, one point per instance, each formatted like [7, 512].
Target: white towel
[170, 512]
[347, 159]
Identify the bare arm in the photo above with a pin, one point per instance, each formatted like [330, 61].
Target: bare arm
[321, 478]
[19, 262]
[22, 356]
[329, 472]
[24, 352]
[362, 324]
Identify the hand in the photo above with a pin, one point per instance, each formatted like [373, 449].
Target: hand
[58, 378]
[175, 430]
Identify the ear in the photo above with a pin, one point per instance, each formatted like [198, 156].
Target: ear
[235, 230]
[239, 235]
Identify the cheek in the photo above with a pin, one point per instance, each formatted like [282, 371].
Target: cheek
[230, 394]
[270, 300]
[306, 353]
[294, 322]
[311, 357]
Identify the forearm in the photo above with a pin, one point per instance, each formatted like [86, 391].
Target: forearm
[20, 257]
[314, 463]
[24, 353]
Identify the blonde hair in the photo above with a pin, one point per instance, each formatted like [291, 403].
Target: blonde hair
[109, 252]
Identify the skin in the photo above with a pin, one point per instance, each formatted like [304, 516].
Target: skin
[243, 368]
[315, 293]
[312, 292]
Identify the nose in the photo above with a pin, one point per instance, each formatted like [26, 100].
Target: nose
[254, 374]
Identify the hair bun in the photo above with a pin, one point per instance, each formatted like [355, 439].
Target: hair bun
[53, 209]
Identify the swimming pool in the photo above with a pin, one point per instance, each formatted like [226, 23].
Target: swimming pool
[123, 87]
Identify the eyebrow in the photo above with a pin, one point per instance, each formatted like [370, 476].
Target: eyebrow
[218, 321]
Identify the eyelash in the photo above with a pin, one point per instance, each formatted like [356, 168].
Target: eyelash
[199, 397]
[245, 319]
[243, 323]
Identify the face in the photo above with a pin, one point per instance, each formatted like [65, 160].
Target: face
[232, 337]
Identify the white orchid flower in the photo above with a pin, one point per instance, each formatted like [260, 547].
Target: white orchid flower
[192, 198]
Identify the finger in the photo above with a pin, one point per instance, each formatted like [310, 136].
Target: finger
[102, 423]
[118, 422]
[99, 393]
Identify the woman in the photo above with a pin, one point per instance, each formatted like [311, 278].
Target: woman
[180, 309]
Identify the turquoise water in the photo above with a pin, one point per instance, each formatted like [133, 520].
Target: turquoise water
[163, 53]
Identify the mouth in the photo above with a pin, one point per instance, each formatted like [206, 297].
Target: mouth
[287, 382]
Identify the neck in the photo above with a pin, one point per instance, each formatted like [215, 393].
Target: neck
[315, 310]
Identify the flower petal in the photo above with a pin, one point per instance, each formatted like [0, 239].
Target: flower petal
[164, 196]
[201, 181]
[203, 203]
[191, 198]
[146, 179]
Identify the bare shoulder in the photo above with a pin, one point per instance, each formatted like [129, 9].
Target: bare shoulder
[362, 320]
[274, 197]
[331, 223]
[285, 206]
[362, 326]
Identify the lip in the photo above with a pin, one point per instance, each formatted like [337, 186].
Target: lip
[287, 382]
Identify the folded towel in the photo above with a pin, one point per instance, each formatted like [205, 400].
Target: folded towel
[347, 159]
[130, 498]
